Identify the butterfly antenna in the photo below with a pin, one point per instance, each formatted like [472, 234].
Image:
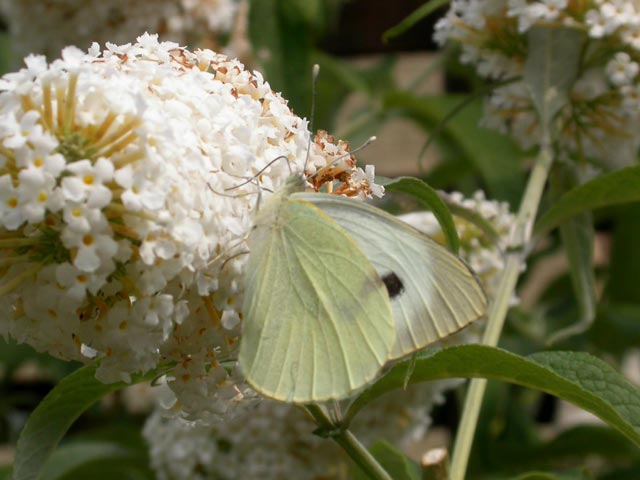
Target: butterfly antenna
[364, 145]
[314, 94]
[260, 172]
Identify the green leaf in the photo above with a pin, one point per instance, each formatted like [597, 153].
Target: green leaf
[393, 461]
[552, 67]
[474, 218]
[55, 414]
[577, 238]
[13, 355]
[494, 156]
[623, 285]
[5, 52]
[579, 442]
[74, 455]
[569, 447]
[579, 475]
[576, 377]
[615, 188]
[616, 328]
[421, 12]
[283, 42]
[430, 200]
[5, 473]
[624, 473]
[308, 11]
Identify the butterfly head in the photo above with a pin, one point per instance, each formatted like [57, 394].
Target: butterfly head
[295, 183]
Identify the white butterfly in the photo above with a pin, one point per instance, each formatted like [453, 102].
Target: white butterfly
[336, 288]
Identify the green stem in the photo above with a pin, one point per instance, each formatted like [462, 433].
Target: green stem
[520, 237]
[349, 443]
[18, 242]
[16, 281]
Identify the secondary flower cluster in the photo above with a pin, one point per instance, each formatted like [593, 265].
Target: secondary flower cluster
[123, 183]
[47, 27]
[275, 440]
[604, 115]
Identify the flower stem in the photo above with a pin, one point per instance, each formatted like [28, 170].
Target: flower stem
[520, 237]
[16, 281]
[349, 443]
[18, 242]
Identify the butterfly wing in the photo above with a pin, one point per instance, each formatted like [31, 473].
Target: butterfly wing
[317, 322]
[434, 294]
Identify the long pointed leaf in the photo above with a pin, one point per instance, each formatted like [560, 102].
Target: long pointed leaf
[615, 188]
[577, 238]
[429, 199]
[73, 456]
[393, 461]
[573, 376]
[55, 414]
[417, 15]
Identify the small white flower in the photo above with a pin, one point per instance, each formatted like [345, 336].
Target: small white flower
[87, 183]
[474, 14]
[94, 248]
[140, 190]
[520, 9]
[77, 282]
[79, 218]
[631, 98]
[51, 163]
[230, 319]
[598, 25]
[11, 213]
[37, 194]
[621, 70]
[631, 36]
[363, 182]
[549, 9]
[15, 135]
[443, 30]
[617, 13]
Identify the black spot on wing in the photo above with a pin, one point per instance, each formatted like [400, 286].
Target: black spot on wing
[393, 283]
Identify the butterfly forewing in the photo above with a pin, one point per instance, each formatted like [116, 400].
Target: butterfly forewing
[435, 292]
[317, 318]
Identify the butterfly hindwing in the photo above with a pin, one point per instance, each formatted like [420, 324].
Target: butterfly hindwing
[317, 318]
[435, 293]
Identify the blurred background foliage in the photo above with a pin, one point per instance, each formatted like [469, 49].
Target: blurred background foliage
[412, 97]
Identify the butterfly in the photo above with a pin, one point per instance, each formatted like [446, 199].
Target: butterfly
[336, 288]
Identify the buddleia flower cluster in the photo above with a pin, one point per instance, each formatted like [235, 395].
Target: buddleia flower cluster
[601, 123]
[274, 440]
[46, 27]
[129, 178]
